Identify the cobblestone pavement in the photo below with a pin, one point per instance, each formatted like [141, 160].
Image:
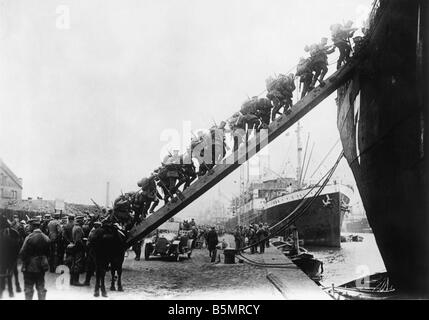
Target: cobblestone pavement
[161, 278]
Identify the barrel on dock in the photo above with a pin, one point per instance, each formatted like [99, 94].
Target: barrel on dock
[229, 256]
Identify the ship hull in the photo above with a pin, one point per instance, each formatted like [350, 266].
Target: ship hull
[319, 226]
[321, 223]
[382, 120]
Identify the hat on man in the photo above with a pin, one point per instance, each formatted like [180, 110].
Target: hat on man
[71, 216]
[34, 222]
[47, 216]
[57, 215]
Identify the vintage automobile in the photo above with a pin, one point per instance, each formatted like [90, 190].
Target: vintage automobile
[168, 241]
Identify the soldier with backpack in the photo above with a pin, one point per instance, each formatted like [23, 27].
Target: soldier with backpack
[305, 75]
[280, 93]
[319, 60]
[341, 35]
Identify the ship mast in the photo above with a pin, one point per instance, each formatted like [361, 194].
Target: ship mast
[299, 155]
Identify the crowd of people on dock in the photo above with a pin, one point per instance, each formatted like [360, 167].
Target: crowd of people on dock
[62, 240]
[252, 236]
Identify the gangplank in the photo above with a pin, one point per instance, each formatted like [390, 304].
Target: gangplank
[234, 160]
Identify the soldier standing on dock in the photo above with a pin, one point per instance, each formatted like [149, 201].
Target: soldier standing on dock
[54, 233]
[78, 259]
[34, 254]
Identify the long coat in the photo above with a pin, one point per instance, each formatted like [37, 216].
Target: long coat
[34, 252]
[212, 240]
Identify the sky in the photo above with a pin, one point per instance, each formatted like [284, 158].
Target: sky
[89, 88]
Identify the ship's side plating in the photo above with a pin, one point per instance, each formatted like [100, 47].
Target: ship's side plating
[382, 119]
[319, 226]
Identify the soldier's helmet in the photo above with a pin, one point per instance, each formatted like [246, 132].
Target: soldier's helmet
[143, 182]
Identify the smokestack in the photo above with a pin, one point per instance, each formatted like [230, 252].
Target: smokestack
[107, 194]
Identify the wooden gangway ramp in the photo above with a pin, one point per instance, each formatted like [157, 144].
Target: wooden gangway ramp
[234, 160]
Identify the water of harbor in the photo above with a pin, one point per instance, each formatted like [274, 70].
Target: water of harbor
[353, 260]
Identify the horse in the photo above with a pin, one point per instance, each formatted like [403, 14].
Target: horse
[10, 244]
[109, 248]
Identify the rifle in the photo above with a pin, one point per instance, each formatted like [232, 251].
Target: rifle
[98, 207]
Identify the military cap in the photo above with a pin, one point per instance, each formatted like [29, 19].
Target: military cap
[47, 216]
[56, 215]
[71, 216]
[79, 217]
[34, 222]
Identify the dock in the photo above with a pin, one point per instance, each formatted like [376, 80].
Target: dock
[290, 281]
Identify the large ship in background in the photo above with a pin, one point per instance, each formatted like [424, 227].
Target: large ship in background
[383, 124]
[270, 201]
